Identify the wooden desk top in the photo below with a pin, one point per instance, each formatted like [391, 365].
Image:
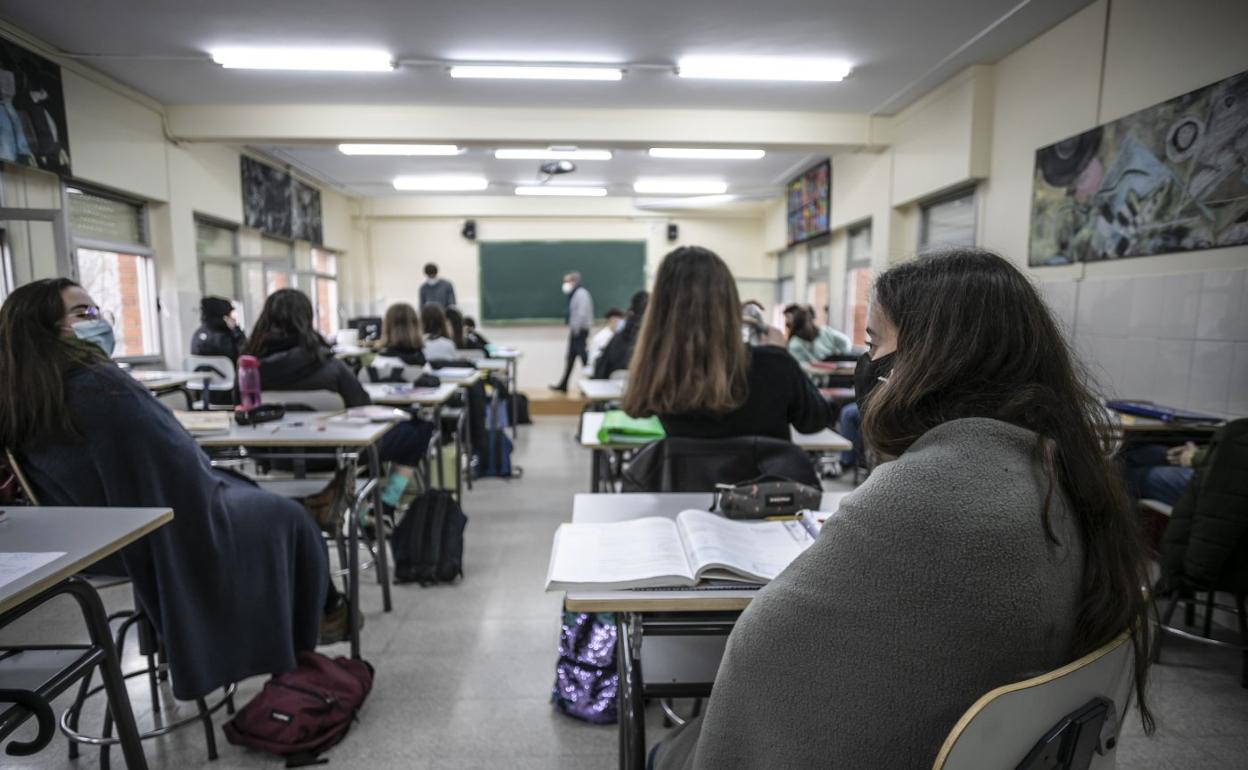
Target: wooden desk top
[391, 395]
[825, 440]
[601, 508]
[602, 390]
[86, 535]
[299, 429]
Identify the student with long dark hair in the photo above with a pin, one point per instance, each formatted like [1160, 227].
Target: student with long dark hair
[618, 351]
[993, 543]
[438, 343]
[402, 340]
[692, 369]
[294, 356]
[235, 583]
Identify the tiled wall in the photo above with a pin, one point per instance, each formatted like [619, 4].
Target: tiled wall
[1180, 340]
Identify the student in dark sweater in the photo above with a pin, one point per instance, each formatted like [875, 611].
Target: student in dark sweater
[691, 368]
[294, 356]
[619, 350]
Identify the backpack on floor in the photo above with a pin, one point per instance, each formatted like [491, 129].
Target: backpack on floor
[522, 410]
[305, 711]
[428, 543]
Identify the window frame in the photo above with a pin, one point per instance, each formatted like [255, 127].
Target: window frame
[969, 192]
[91, 243]
[853, 263]
[312, 275]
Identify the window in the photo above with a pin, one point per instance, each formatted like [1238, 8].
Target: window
[949, 221]
[817, 282]
[220, 270]
[277, 267]
[786, 286]
[115, 266]
[323, 284]
[857, 282]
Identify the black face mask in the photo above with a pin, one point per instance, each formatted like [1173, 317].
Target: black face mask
[867, 375]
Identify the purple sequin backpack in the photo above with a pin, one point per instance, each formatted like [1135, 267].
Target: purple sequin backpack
[586, 678]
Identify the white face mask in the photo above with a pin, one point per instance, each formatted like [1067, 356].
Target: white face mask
[568, 286]
[618, 325]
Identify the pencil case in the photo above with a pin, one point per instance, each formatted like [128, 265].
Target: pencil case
[765, 496]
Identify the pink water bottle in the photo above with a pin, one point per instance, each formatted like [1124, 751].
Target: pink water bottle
[248, 382]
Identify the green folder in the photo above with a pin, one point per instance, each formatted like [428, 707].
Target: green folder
[619, 428]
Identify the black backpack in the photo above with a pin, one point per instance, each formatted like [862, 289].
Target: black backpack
[428, 543]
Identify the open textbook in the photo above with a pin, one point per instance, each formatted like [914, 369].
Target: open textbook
[657, 551]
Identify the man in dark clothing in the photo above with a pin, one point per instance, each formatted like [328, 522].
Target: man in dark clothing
[436, 289]
[218, 333]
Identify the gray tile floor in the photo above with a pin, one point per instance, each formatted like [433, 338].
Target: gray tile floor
[464, 672]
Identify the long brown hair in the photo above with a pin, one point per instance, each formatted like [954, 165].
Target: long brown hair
[286, 318]
[974, 339]
[34, 359]
[433, 318]
[689, 355]
[401, 328]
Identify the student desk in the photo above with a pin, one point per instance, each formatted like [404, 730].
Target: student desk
[825, 440]
[313, 436]
[85, 536]
[602, 391]
[1144, 430]
[430, 398]
[160, 382]
[346, 352]
[674, 637]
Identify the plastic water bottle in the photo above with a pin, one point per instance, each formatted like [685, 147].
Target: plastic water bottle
[248, 382]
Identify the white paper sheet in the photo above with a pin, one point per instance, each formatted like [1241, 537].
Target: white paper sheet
[14, 565]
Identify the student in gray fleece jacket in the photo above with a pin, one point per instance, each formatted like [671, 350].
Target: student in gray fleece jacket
[959, 566]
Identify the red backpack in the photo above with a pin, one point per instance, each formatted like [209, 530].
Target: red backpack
[304, 711]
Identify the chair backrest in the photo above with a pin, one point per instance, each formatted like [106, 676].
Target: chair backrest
[316, 400]
[697, 465]
[1005, 725]
[407, 372]
[221, 368]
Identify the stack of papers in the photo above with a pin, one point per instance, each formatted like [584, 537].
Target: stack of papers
[204, 423]
[619, 428]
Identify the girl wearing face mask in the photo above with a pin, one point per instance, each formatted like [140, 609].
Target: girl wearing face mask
[993, 543]
[598, 342]
[236, 582]
[619, 349]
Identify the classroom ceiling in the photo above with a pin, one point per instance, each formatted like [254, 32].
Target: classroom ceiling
[373, 176]
[899, 48]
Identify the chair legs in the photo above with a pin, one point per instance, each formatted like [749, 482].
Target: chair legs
[1189, 599]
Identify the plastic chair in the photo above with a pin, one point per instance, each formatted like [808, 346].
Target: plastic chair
[223, 375]
[697, 465]
[1067, 719]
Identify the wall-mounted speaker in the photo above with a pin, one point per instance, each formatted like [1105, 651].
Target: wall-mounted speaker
[470, 229]
[673, 231]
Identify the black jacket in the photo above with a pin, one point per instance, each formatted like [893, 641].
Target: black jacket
[780, 395]
[288, 367]
[618, 352]
[1206, 541]
[217, 339]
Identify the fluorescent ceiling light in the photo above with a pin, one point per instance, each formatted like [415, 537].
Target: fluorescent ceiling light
[538, 72]
[693, 202]
[324, 59]
[398, 149]
[551, 153]
[441, 183]
[705, 154]
[679, 187]
[571, 192]
[762, 68]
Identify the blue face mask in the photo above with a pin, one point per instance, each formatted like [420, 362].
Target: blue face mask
[97, 331]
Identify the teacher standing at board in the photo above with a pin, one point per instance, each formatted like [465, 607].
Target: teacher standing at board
[580, 317]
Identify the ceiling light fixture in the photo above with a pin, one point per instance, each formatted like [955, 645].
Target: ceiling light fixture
[322, 59]
[571, 192]
[679, 187]
[441, 183]
[399, 149]
[551, 153]
[763, 68]
[534, 72]
[691, 153]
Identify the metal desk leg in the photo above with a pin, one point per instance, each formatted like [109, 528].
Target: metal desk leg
[595, 470]
[437, 431]
[383, 553]
[630, 705]
[513, 383]
[468, 436]
[459, 455]
[353, 570]
[110, 672]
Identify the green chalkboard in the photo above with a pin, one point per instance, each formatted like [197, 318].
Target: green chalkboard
[520, 279]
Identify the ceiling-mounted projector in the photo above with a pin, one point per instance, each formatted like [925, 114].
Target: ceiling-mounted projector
[555, 167]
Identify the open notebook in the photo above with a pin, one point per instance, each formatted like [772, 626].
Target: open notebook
[657, 551]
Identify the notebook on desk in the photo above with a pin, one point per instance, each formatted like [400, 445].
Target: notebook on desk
[204, 423]
[694, 547]
[1160, 411]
